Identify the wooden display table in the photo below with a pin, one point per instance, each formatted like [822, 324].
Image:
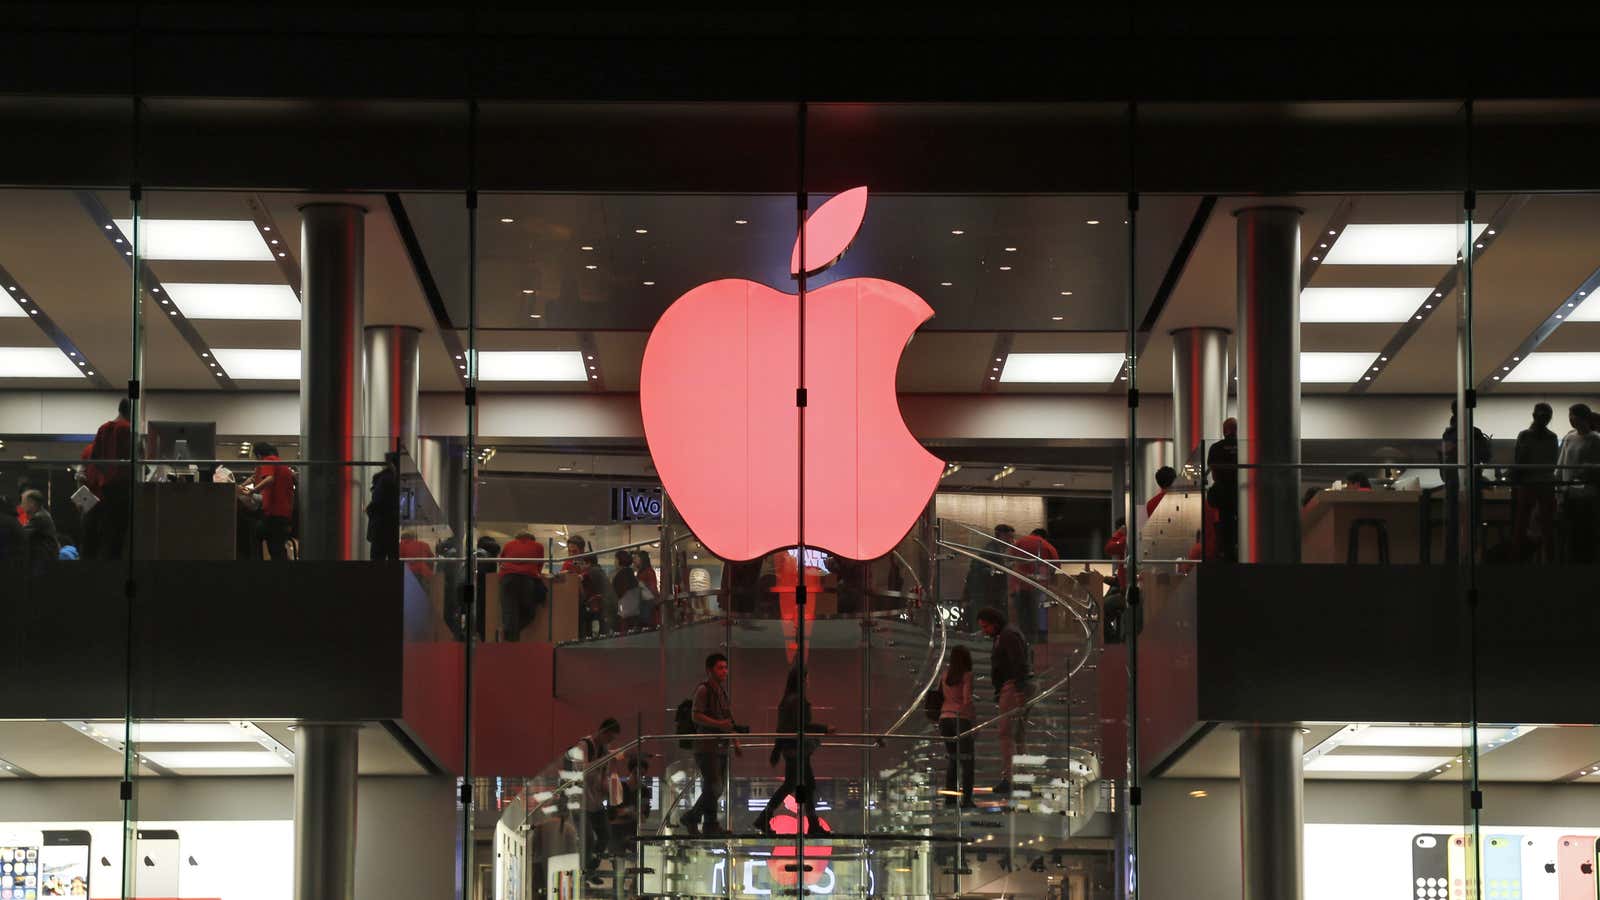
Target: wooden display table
[556, 621]
[1325, 526]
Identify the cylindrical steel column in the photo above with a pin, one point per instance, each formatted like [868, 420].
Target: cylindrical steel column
[1272, 811]
[332, 414]
[1269, 384]
[1199, 389]
[392, 356]
[325, 758]
[443, 465]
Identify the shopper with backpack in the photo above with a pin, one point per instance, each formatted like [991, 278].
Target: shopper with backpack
[713, 714]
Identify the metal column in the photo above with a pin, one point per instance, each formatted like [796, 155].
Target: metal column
[332, 413]
[1199, 388]
[392, 384]
[1272, 811]
[1269, 384]
[325, 758]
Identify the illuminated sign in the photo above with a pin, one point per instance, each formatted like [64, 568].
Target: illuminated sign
[728, 353]
[631, 504]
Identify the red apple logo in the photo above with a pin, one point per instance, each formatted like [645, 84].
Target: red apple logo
[718, 392]
[783, 855]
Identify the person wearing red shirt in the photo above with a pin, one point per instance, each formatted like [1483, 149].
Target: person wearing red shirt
[419, 554]
[521, 585]
[107, 476]
[1165, 477]
[274, 482]
[1031, 547]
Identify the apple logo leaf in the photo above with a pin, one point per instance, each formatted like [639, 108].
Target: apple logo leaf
[830, 230]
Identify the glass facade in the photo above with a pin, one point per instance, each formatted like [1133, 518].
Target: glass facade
[612, 501]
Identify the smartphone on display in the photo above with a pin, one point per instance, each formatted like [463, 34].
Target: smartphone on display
[1463, 863]
[1429, 872]
[1502, 866]
[155, 857]
[64, 864]
[1575, 867]
[1539, 870]
[19, 865]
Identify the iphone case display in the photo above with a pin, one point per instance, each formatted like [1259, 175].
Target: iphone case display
[1429, 872]
[1575, 867]
[1463, 863]
[1502, 867]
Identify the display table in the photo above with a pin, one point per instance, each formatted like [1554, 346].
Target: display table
[1325, 526]
[184, 520]
[556, 620]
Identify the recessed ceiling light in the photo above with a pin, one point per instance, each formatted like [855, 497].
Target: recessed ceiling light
[507, 220]
[1315, 259]
[109, 227]
[649, 284]
[250, 364]
[530, 365]
[216, 759]
[741, 221]
[33, 312]
[957, 231]
[1057, 318]
[1091, 222]
[1005, 268]
[1397, 245]
[1360, 305]
[641, 231]
[586, 247]
[527, 290]
[200, 239]
[1066, 293]
[945, 283]
[1061, 368]
[1491, 231]
[1557, 368]
[36, 362]
[1333, 368]
[591, 267]
[235, 301]
[535, 316]
[1011, 249]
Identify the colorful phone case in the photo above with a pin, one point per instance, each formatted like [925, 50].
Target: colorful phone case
[1429, 872]
[1463, 862]
[1575, 867]
[1502, 867]
[1539, 870]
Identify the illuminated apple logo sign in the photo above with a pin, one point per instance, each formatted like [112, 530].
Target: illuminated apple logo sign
[727, 353]
[783, 855]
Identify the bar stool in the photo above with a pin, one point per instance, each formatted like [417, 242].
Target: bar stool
[1352, 554]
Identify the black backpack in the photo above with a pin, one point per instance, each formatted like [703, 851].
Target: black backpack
[683, 722]
[933, 703]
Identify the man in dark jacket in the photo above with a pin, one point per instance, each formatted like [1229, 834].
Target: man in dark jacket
[1534, 493]
[1222, 460]
[43, 543]
[1012, 675]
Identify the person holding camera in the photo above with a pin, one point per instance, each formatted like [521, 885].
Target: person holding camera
[713, 714]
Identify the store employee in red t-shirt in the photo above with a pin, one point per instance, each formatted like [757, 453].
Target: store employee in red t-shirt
[274, 481]
[521, 587]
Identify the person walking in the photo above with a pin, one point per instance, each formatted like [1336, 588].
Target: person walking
[649, 587]
[956, 715]
[986, 584]
[596, 795]
[1223, 462]
[1533, 487]
[1012, 676]
[713, 714]
[597, 610]
[522, 589]
[274, 483]
[1031, 548]
[625, 584]
[108, 477]
[799, 779]
[1579, 466]
[383, 514]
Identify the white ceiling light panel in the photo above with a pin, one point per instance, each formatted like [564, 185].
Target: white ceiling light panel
[1398, 245]
[215, 759]
[1387, 304]
[1061, 368]
[1380, 764]
[259, 365]
[1587, 311]
[234, 301]
[1335, 368]
[1424, 736]
[37, 362]
[1556, 368]
[212, 240]
[531, 365]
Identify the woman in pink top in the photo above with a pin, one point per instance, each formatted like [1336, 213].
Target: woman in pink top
[955, 717]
